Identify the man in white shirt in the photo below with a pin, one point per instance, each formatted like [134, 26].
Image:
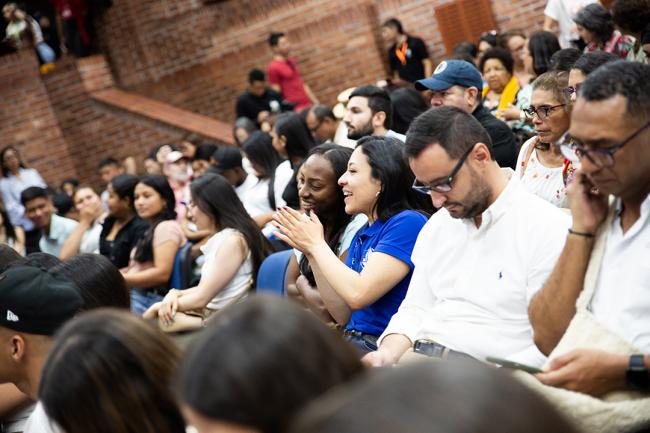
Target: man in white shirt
[558, 18]
[227, 161]
[40, 210]
[480, 258]
[369, 112]
[614, 161]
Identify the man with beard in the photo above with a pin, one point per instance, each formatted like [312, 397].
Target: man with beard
[480, 258]
[369, 112]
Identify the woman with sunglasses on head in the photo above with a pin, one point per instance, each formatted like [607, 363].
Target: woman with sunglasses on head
[541, 166]
[363, 293]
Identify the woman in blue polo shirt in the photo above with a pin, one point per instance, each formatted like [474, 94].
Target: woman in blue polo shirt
[363, 293]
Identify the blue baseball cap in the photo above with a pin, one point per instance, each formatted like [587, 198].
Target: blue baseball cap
[452, 73]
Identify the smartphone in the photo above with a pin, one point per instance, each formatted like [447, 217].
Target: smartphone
[513, 365]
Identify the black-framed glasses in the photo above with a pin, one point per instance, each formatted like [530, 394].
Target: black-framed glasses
[443, 186]
[570, 90]
[574, 151]
[318, 125]
[542, 112]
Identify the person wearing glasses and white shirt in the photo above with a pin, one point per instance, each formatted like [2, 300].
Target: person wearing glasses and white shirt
[480, 258]
[604, 270]
[540, 165]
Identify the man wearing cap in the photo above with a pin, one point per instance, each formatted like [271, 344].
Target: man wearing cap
[458, 83]
[227, 162]
[34, 303]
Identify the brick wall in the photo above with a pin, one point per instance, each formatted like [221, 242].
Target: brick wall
[92, 130]
[27, 120]
[197, 56]
[59, 129]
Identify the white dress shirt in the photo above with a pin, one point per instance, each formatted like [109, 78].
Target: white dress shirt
[471, 286]
[622, 296]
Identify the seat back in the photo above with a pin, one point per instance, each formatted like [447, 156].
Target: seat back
[273, 272]
[180, 278]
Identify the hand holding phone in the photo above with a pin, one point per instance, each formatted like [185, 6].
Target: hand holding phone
[513, 365]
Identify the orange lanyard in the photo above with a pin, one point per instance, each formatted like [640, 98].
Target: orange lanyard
[401, 52]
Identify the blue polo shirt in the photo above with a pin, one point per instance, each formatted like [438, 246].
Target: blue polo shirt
[395, 237]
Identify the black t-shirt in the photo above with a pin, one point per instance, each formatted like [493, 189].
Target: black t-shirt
[504, 144]
[413, 51]
[118, 251]
[249, 105]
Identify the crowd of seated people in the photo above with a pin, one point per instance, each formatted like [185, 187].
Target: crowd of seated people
[493, 211]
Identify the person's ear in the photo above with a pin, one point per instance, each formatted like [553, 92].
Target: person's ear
[378, 120]
[283, 140]
[471, 94]
[17, 348]
[481, 153]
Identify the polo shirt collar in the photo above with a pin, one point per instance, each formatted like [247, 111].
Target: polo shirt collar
[56, 228]
[369, 231]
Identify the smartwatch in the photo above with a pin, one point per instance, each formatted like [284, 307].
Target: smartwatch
[428, 348]
[637, 376]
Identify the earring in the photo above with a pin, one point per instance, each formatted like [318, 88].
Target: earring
[377, 195]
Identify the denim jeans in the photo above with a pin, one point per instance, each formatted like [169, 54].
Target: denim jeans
[141, 300]
[45, 53]
[363, 344]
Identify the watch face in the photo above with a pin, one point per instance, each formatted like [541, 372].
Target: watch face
[637, 375]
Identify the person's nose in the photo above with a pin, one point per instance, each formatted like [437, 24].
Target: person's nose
[437, 199]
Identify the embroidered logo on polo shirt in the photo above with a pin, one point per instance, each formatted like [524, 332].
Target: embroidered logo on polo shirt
[11, 316]
[366, 257]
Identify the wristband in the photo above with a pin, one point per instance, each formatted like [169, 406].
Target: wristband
[583, 234]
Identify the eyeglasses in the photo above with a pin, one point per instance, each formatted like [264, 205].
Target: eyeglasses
[599, 156]
[572, 89]
[443, 186]
[542, 112]
[318, 125]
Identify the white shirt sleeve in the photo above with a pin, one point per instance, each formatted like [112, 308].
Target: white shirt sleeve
[283, 174]
[553, 9]
[419, 297]
[550, 243]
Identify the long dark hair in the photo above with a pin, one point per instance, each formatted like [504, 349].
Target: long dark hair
[9, 228]
[407, 105]
[5, 170]
[118, 367]
[215, 196]
[100, 283]
[541, 46]
[337, 220]
[258, 148]
[124, 187]
[296, 359]
[144, 247]
[298, 137]
[389, 166]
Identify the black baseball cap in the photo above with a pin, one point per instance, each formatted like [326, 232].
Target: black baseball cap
[226, 157]
[35, 301]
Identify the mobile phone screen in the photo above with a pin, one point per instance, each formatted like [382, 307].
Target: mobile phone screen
[513, 365]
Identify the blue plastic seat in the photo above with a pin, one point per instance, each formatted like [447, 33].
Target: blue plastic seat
[273, 273]
[180, 278]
